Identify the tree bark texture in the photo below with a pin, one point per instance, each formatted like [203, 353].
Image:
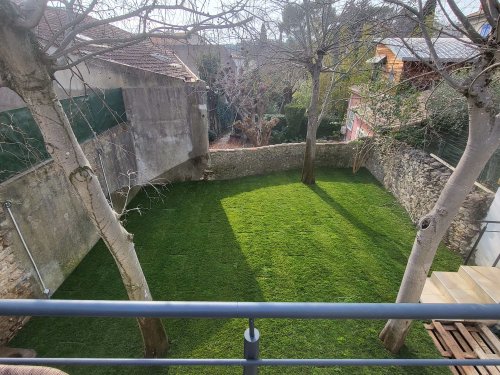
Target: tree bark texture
[26, 71]
[484, 139]
[312, 127]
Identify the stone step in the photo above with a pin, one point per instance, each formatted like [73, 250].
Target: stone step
[431, 294]
[459, 289]
[485, 281]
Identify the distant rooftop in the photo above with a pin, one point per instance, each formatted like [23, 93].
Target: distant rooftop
[447, 49]
[143, 55]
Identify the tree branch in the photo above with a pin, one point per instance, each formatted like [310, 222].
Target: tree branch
[448, 18]
[137, 12]
[471, 32]
[68, 26]
[487, 13]
[493, 7]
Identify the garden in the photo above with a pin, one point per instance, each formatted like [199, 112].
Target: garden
[260, 238]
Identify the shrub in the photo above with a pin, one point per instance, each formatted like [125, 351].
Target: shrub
[212, 136]
[225, 114]
[296, 121]
[329, 127]
[281, 117]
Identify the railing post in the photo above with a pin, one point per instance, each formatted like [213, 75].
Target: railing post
[481, 233]
[251, 339]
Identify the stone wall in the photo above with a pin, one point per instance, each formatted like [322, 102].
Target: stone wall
[15, 281]
[416, 180]
[234, 163]
[412, 176]
[164, 141]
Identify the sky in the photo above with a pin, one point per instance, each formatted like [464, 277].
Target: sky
[213, 6]
[466, 6]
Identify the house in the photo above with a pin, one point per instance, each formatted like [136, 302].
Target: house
[139, 65]
[479, 22]
[193, 48]
[401, 60]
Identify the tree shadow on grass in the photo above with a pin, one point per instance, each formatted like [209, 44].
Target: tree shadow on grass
[179, 267]
[379, 238]
[194, 246]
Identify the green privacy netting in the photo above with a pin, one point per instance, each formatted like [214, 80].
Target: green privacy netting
[21, 144]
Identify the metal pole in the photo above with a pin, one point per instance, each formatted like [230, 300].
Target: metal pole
[251, 339]
[476, 243]
[105, 179]
[45, 290]
[496, 261]
[289, 310]
[242, 362]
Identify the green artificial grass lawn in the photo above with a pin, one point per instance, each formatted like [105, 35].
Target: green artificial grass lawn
[263, 238]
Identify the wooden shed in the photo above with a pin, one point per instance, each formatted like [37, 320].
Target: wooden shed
[403, 58]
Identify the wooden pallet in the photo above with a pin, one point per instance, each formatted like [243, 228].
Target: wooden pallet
[464, 340]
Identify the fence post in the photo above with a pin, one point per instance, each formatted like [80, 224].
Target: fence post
[251, 347]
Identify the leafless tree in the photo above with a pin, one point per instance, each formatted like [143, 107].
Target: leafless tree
[319, 37]
[251, 91]
[248, 94]
[27, 66]
[484, 138]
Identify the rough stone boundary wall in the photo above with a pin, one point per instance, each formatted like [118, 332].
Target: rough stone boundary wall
[416, 180]
[412, 176]
[234, 163]
[166, 140]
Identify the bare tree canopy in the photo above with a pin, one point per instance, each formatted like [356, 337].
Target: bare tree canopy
[321, 37]
[74, 31]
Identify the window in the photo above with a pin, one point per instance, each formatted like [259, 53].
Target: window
[350, 119]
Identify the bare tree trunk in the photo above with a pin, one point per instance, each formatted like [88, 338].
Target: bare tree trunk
[484, 139]
[312, 128]
[25, 70]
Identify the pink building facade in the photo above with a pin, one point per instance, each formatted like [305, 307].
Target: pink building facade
[355, 126]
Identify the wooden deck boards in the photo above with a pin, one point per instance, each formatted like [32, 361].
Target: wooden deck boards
[465, 340]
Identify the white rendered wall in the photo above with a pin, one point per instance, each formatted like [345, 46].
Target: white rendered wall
[489, 246]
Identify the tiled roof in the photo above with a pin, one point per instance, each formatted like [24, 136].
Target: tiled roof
[447, 49]
[143, 55]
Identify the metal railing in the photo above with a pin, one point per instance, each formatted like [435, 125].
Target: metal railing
[478, 239]
[251, 311]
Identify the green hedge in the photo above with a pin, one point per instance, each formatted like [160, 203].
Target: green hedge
[296, 126]
[21, 143]
[296, 121]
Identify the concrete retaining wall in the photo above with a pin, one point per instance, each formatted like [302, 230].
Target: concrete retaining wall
[416, 180]
[165, 140]
[234, 163]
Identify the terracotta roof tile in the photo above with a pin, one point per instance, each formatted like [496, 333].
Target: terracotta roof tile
[143, 55]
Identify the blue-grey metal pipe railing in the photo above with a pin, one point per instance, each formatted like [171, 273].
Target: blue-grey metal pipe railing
[247, 310]
[251, 311]
[247, 363]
